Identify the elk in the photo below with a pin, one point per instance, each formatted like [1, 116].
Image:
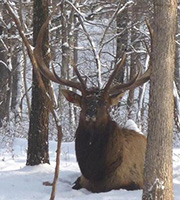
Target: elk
[109, 157]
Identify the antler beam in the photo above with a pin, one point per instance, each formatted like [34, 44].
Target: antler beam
[118, 67]
[136, 82]
[45, 70]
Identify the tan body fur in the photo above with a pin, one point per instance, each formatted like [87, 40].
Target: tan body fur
[129, 146]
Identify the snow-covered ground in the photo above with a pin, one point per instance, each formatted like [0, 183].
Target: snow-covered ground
[21, 182]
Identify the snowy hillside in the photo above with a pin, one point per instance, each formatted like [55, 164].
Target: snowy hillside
[21, 182]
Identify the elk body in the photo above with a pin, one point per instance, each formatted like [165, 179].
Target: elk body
[109, 157]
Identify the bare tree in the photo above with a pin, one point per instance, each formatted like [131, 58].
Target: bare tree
[158, 164]
[4, 72]
[39, 117]
[4, 92]
[177, 74]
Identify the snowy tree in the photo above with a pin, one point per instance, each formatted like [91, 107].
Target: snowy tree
[158, 164]
[39, 117]
[4, 72]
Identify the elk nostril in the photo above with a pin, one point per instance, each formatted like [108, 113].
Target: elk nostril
[93, 118]
[90, 118]
[87, 118]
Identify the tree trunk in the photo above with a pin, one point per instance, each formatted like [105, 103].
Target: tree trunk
[4, 92]
[122, 40]
[14, 82]
[24, 64]
[4, 71]
[158, 164]
[177, 58]
[39, 117]
[65, 52]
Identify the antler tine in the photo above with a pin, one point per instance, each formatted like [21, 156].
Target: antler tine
[83, 84]
[111, 78]
[43, 67]
[137, 81]
[67, 82]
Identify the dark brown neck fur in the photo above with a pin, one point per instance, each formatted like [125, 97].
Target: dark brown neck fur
[91, 145]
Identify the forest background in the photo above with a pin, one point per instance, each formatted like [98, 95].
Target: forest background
[69, 44]
[91, 35]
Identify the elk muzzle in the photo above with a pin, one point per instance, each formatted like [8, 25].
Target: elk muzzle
[91, 113]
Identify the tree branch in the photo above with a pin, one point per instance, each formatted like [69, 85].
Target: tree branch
[47, 93]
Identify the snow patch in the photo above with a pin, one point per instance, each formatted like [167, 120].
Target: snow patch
[21, 182]
[131, 125]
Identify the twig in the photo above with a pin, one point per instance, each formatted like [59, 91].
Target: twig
[118, 10]
[96, 55]
[56, 173]
[150, 30]
[24, 95]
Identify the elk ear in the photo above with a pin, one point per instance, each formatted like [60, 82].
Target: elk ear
[72, 97]
[115, 98]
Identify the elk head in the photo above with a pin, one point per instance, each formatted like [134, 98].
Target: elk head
[94, 102]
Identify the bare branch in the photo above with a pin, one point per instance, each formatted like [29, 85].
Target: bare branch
[118, 10]
[26, 42]
[96, 56]
[58, 152]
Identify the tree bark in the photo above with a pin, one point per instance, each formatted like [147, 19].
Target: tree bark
[39, 116]
[5, 73]
[158, 164]
[4, 92]
[122, 41]
[14, 83]
[65, 53]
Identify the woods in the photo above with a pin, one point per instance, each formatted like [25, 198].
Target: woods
[83, 41]
[85, 48]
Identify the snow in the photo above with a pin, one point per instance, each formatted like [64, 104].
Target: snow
[131, 125]
[21, 182]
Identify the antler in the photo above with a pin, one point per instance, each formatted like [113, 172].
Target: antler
[111, 78]
[121, 88]
[136, 82]
[45, 70]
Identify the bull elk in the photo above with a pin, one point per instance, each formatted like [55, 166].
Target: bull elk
[109, 157]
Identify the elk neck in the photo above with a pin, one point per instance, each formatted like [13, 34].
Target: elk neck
[91, 148]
